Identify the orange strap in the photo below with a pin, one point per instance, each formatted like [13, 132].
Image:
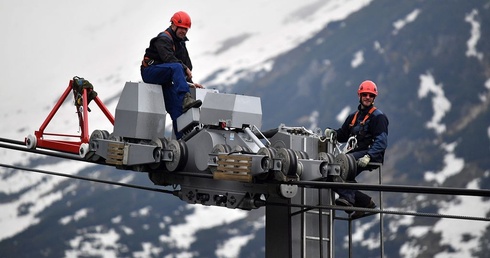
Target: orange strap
[147, 61]
[365, 117]
[170, 36]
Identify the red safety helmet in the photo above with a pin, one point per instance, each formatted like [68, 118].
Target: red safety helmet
[181, 19]
[367, 87]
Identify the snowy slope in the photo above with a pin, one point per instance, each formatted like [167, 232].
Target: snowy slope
[47, 44]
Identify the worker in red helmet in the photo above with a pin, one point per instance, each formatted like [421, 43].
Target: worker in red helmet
[167, 62]
[369, 126]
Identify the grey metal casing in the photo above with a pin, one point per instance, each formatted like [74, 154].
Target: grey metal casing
[192, 116]
[188, 119]
[200, 93]
[234, 110]
[202, 144]
[296, 142]
[140, 112]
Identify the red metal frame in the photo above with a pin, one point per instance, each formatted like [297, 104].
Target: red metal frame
[65, 145]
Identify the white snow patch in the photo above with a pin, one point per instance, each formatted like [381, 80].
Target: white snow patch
[149, 250]
[418, 231]
[127, 230]
[125, 180]
[359, 235]
[343, 114]
[402, 221]
[231, 248]
[76, 217]
[313, 120]
[39, 196]
[166, 220]
[440, 104]
[484, 95]
[378, 47]
[452, 165]
[116, 220]
[475, 35]
[488, 133]
[358, 59]
[409, 249]
[399, 24]
[258, 224]
[102, 243]
[452, 232]
[143, 212]
[183, 235]
[183, 255]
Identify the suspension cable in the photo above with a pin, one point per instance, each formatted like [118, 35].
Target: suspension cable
[307, 184]
[88, 179]
[369, 211]
[392, 188]
[43, 152]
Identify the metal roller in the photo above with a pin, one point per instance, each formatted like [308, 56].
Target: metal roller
[96, 134]
[351, 176]
[157, 153]
[343, 161]
[238, 148]
[289, 163]
[83, 150]
[221, 148]
[270, 154]
[115, 138]
[301, 154]
[179, 154]
[348, 167]
[328, 157]
[266, 151]
[31, 142]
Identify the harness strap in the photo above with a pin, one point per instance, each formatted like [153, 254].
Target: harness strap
[146, 60]
[170, 37]
[365, 117]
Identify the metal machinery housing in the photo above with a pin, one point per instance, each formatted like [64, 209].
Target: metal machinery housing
[223, 159]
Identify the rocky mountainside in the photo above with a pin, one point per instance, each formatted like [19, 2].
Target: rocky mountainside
[430, 60]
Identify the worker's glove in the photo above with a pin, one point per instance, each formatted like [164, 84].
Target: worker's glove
[331, 134]
[362, 162]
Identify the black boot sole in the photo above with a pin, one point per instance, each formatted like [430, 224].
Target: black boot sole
[195, 104]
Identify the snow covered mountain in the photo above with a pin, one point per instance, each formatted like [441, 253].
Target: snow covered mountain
[431, 67]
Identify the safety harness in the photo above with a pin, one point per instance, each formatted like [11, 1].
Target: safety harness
[78, 85]
[365, 117]
[148, 61]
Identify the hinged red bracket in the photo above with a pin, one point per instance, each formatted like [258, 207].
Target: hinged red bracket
[71, 146]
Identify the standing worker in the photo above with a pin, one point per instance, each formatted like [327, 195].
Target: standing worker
[370, 127]
[167, 62]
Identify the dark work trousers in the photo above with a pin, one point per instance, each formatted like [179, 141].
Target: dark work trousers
[172, 78]
[356, 197]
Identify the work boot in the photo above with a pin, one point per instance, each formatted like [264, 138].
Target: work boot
[359, 214]
[190, 102]
[343, 202]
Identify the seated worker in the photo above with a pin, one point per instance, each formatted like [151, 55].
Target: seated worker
[167, 62]
[370, 127]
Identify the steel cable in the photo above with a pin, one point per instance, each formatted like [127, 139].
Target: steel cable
[88, 179]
